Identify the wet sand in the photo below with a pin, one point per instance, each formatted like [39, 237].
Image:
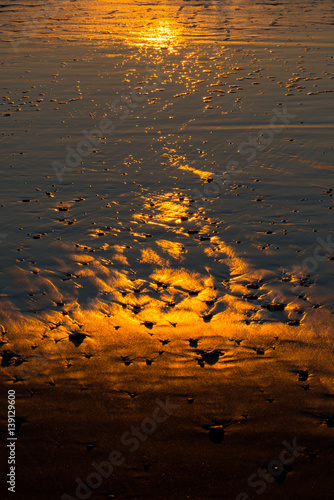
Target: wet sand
[166, 235]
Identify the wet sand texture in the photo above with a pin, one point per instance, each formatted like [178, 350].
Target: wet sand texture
[167, 249]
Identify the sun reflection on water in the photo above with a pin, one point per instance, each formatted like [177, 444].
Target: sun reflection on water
[161, 33]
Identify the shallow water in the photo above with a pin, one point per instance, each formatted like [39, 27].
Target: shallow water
[172, 226]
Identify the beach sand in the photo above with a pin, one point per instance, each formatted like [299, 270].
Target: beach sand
[167, 249]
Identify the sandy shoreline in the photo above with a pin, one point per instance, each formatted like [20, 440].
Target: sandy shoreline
[167, 236]
[78, 405]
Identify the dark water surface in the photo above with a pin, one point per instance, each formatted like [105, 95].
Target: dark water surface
[166, 230]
